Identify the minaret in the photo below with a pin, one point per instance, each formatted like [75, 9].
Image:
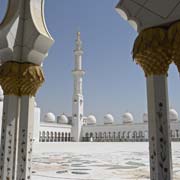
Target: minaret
[77, 101]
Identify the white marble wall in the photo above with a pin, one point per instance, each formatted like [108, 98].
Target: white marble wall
[127, 131]
[53, 132]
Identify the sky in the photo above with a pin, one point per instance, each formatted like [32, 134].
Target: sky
[113, 83]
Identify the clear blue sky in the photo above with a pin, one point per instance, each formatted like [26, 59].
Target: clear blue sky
[113, 82]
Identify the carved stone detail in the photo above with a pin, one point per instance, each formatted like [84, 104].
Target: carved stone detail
[21, 78]
[23, 32]
[156, 48]
[152, 51]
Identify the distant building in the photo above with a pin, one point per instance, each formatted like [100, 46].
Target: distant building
[78, 127]
[52, 130]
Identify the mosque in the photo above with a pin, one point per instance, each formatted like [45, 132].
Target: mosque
[78, 127]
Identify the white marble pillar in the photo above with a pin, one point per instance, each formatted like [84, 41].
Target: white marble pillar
[25, 41]
[25, 138]
[8, 137]
[159, 129]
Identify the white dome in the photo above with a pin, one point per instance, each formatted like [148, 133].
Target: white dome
[1, 94]
[49, 117]
[108, 119]
[91, 120]
[173, 115]
[62, 119]
[145, 117]
[127, 117]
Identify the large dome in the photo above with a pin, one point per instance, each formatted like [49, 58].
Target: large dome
[1, 94]
[108, 119]
[49, 117]
[173, 115]
[127, 117]
[62, 119]
[91, 119]
[145, 117]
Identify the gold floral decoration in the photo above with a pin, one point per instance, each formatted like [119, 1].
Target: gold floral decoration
[152, 51]
[21, 78]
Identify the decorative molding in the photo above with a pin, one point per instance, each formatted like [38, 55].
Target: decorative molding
[23, 35]
[147, 14]
[21, 79]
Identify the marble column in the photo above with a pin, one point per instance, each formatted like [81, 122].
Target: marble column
[25, 42]
[20, 86]
[159, 128]
[9, 137]
[25, 138]
[31, 78]
[152, 52]
[10, 120]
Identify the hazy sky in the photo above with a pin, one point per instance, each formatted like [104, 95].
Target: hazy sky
[113, 83]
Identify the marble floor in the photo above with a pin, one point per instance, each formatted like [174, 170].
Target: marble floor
[96, 161]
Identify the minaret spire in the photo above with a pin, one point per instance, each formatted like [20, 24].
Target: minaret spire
[79, 36]
[77, 102]
[78, 42]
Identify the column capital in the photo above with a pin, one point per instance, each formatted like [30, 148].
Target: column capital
[21, 79]
[174, 40]
[152, 51]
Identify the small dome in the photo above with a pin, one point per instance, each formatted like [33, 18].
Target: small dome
[49, 117]
[62, 119]
[128, 118]
[108, 119]
[91, 120]
[173, 115]
[145, 117]
[1, 94]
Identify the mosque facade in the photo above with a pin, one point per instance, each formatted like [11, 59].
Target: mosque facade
[78, 127]
[60, 129]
